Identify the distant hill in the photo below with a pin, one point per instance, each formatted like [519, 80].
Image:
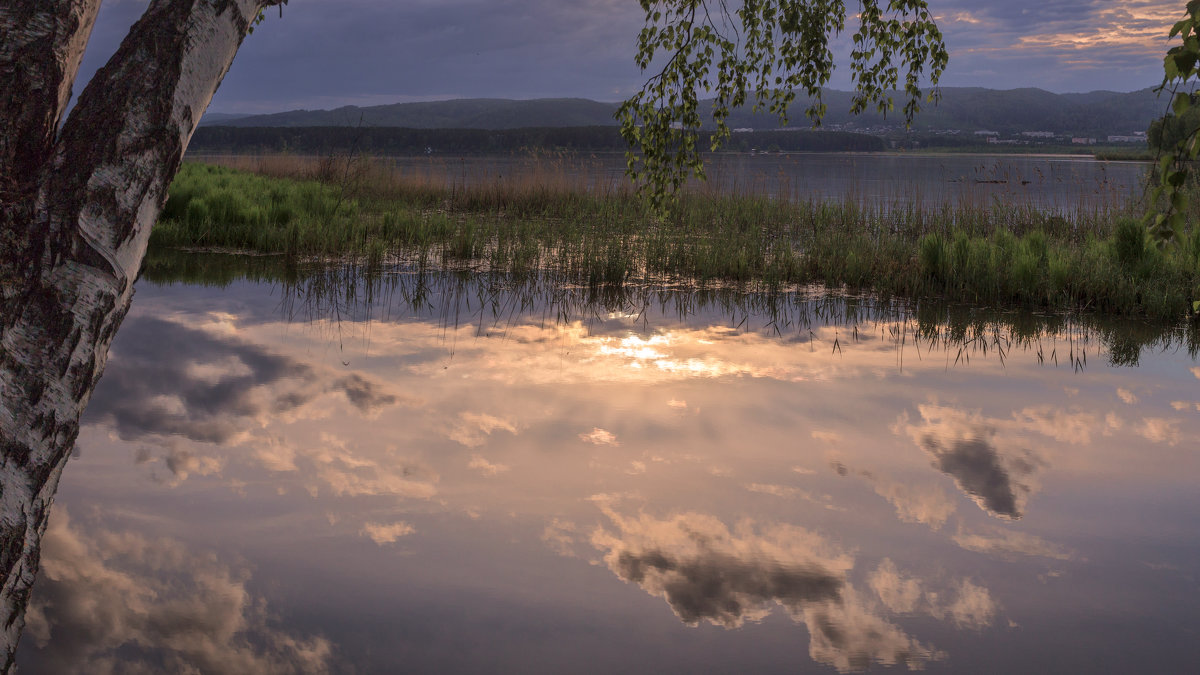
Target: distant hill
[466, 113]
[1098, 113]
[968, 109]
[402, 141]
[220, 118]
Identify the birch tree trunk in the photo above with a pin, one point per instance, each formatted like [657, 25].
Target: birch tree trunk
[77, 205]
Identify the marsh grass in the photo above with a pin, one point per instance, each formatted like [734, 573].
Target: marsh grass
[555, 220]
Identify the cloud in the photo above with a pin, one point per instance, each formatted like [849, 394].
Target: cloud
[850, 637]
[275, 454]
[1064, 426]
[827, 436]
[925, 504]
[1006, 544]
[473, 429]
[183, 463]
[350, 473]
[976, 467]
[1159, 430]
[965, 447]
[116, 602]
[1075, 42]
[1184, 405]
[168, 383]
[485, 467]
[561, 536]
[1127, 396]
[598, 436]
[386, 533]
[320, 57]
[707, 572]
[775, 490]
[971, 605]
[364, 394]
[168, 380]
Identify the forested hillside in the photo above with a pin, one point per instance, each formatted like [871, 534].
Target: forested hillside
[1098, 113]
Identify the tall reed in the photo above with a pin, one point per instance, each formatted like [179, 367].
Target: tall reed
[591, 229]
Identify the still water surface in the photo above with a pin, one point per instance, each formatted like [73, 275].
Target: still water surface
[453, 478]
[1060, 183]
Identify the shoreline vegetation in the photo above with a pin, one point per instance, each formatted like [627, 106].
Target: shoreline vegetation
[451, 142]
[584, 230]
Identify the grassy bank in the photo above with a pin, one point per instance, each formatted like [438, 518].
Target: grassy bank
[585, 230]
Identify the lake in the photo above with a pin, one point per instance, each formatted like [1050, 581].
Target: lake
[435, 473]
[1062, 183]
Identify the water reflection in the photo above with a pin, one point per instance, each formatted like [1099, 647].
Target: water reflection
[964, 447]
[706, 572]
[120, 602]
[436, 473]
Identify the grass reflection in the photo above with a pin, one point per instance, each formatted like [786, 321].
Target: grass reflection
[317, 290]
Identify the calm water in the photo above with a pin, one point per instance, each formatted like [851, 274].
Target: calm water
[458, 479]
[1064, 183]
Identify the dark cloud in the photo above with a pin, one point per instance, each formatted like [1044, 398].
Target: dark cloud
[364, 52]
[977, 470]
[707, 572]
[152, 385]
[1066, 46]
[722, 589]
[996, 469]
[165, 379]
[364, 394]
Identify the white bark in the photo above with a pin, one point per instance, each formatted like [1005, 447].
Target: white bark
[78, 206]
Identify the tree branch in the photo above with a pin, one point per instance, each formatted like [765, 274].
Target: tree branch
[41, 46]
[123, 142]
[99, 189]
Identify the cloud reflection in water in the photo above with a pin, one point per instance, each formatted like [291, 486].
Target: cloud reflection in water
[707, 572]
[119, 602]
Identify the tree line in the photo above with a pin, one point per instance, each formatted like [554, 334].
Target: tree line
[403, 141]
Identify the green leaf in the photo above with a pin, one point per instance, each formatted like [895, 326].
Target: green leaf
[1181, 104]
[760, 53]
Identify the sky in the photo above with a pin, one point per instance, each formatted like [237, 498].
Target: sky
[323, 54]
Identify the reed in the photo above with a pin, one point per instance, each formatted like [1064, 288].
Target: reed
[592, 230]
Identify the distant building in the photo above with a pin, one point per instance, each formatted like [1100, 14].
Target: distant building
[1127, 139]
[1080, 140]
[743, 130]
[987, 133]
[1038, 134]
